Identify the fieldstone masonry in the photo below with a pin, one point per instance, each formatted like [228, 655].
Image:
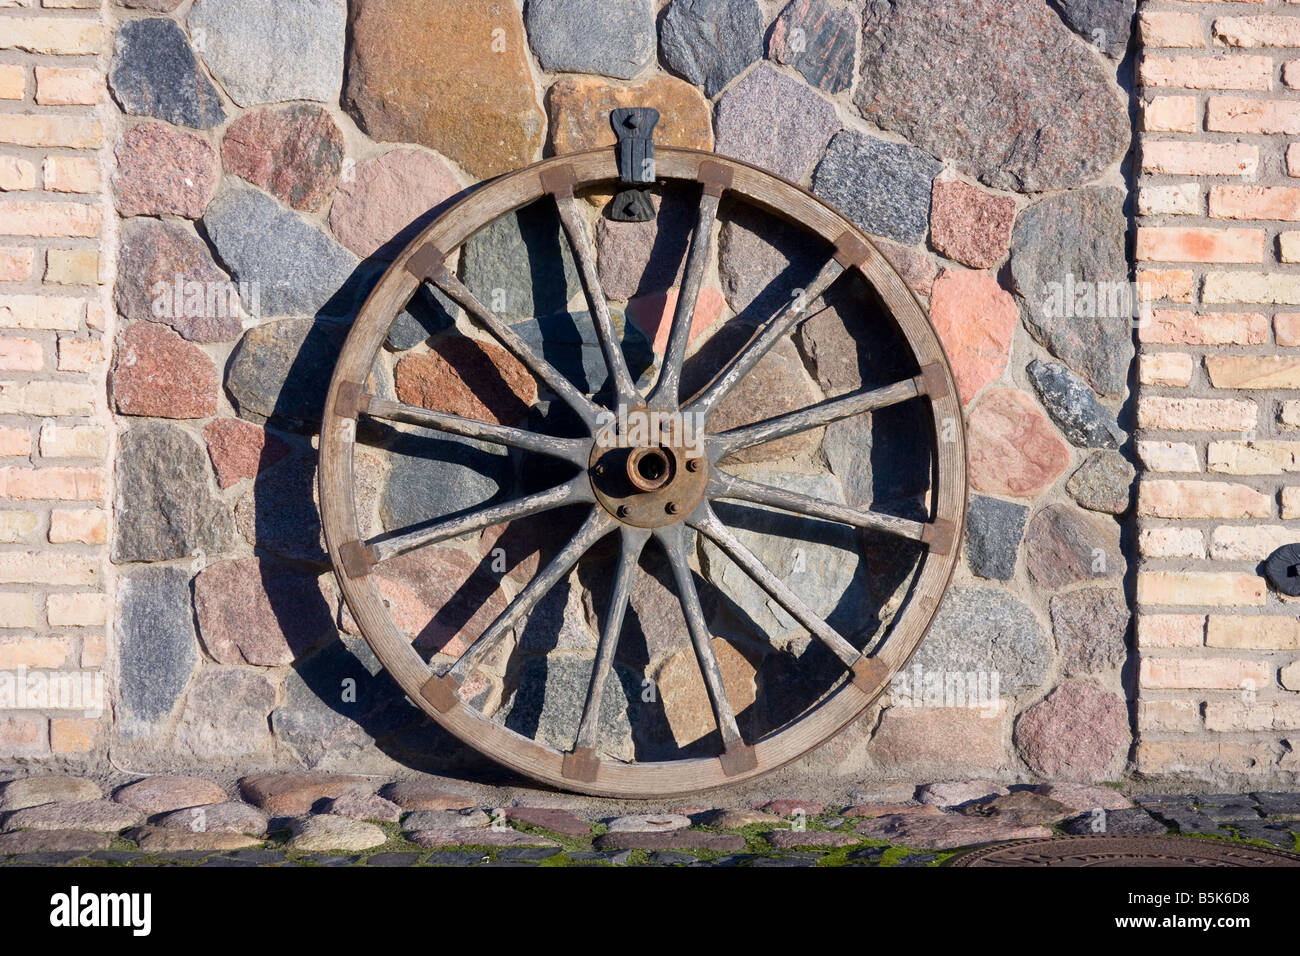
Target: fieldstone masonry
[196, 196]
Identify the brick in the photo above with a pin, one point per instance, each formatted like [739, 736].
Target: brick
[47, 568]
[17, 610]
[47, 398]
[1255, 202]
[1256, 632]
[1293, 159]
[1202, 673]
[1289, 414]
[25, 651]
[24, 735]
[49, 219]
[1253, 371]
[21, 355]
[1290, 503]
[1234, 72]
[1169, 716]
[84, 609]
[17, 526]
[1170, 114]
[1172, 369]
[1289, 676]
[1248, 543]
[1158, 29]
[1197, 588]
[1170, 630]
[1228, 716]
[1288, 246]
[73, 441]
[16, 174]
[81, 355]
[1168, 456]
[1173, 498]
[71, 132]
[16, 264]
[85, 526]
[1263, 287]
[1196, 414]
[93, 647]
[73, 735]
[1171, 543]
[1180, 199]
[1175, 327]
[1199, 757]
[1176, 285]
[13, 81]
[55, 35]
[1198, 244]
[56, 86]
[1181, 158]
[1233, 114]
[15, 441]
[1253, 457]
[41, 312]
[1257, 31]
[58, 483]
[71, 174]
[72, 266]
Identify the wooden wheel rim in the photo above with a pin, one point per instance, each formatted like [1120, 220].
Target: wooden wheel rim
[609, 777]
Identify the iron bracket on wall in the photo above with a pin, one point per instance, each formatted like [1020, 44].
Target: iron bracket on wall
[634, 128]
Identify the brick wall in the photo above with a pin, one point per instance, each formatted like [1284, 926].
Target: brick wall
[53, 440]
[1219, 371]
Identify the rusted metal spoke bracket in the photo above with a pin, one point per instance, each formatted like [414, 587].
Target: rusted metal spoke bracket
[635, 129]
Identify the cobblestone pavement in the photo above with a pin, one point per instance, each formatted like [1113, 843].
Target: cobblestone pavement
[318, 820]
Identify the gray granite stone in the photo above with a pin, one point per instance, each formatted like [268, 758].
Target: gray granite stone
[993, 532]
[1105, 24]
[548, 704]
[986, 629]
[154, 73]
[819, 39]
[285, 265]
[1068, 267]
[1074, 407]
[613, 37]
[269, 51]
[883, 187]
[1090, 626]
[164, 508]
[159, 649]
[225, 715]
[279, 372]
[520, 265]
[1104, 482]
[711, 41]
[435, 475]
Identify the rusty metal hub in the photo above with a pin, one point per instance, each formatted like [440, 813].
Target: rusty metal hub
[645, 474]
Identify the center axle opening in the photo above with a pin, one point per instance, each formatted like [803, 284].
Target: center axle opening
[648, 468]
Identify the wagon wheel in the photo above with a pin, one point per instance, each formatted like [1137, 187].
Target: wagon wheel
[661, 490]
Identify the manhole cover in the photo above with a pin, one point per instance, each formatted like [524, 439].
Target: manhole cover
[1124, 851]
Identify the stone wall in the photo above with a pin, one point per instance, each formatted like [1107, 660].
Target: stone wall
[56, 270]
[1217, 410]
[264, 176]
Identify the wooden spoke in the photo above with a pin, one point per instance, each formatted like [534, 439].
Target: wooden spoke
[666, 393]
[769, 334]
[580, 242]
[573, 492]
[730, 486]
[814, 416]
[674, 544]
[597, 525]
[721, 535]
[575, 450]
[457, 291]
[632, 543]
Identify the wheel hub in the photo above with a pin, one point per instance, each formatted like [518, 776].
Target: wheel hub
[647, 473]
